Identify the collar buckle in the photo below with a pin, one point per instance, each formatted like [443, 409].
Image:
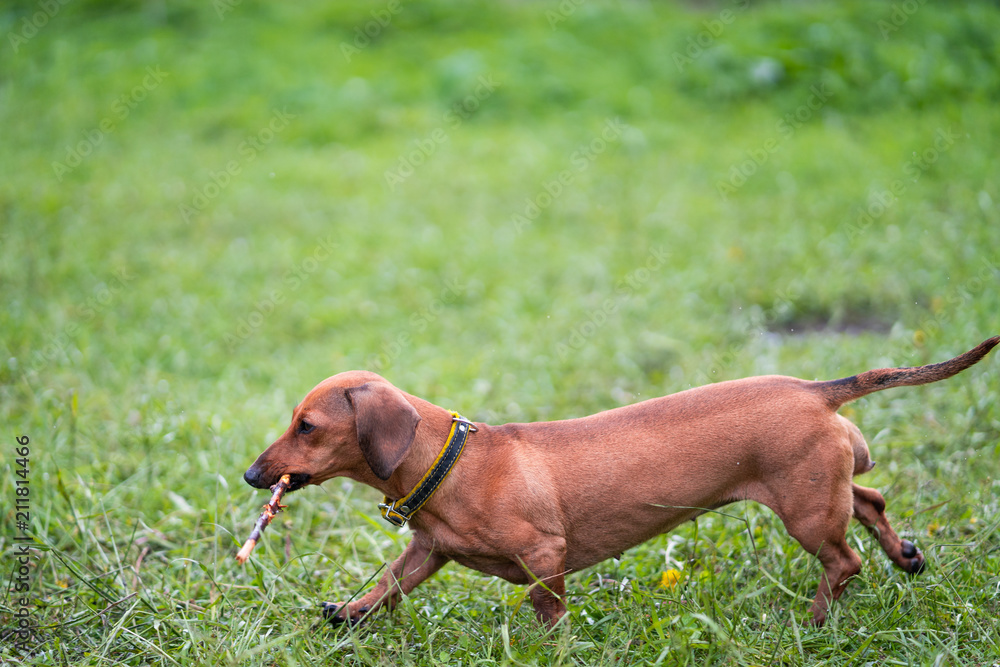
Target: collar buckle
[462, 420]
[392, 515]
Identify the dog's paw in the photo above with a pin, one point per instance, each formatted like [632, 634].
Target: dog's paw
[916, 563]
[337, 613]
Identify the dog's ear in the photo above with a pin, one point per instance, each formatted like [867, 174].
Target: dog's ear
[386, 425]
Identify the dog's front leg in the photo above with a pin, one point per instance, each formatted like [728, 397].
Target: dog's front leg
[417, 562]
[546, 568]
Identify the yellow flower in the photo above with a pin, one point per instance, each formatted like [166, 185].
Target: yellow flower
[670, 578]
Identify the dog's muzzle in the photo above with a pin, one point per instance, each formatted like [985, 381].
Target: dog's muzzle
[259, 480]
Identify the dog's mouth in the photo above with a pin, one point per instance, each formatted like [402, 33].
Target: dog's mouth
[298, 480]
[259, 480]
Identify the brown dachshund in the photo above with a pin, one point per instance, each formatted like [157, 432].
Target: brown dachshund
[533, 502]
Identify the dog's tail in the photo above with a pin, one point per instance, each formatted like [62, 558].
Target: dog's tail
[838, 392]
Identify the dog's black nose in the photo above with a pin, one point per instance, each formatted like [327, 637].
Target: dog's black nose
[252, 477]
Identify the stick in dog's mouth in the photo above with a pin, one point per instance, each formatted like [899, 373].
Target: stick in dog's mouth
[271, 509]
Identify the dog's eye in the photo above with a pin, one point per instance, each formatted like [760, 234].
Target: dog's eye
[306, 427]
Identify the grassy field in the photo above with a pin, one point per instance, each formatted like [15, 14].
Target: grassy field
[521, 211]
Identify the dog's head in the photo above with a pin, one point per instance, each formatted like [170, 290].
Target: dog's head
[354, 424]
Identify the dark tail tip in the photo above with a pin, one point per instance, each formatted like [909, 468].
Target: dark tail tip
[983, 349]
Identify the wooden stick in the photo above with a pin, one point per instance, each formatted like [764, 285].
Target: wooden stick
[270, 510]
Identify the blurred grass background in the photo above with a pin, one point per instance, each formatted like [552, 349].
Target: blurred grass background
[518, 210]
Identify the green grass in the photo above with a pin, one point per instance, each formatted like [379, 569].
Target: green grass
[157, 331]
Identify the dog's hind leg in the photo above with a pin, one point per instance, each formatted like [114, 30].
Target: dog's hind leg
[817, 511]
[825, 536]
[869, 509]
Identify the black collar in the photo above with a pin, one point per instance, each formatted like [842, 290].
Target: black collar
[398, 512]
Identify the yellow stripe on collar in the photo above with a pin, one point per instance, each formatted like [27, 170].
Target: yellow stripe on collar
[398, 512]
